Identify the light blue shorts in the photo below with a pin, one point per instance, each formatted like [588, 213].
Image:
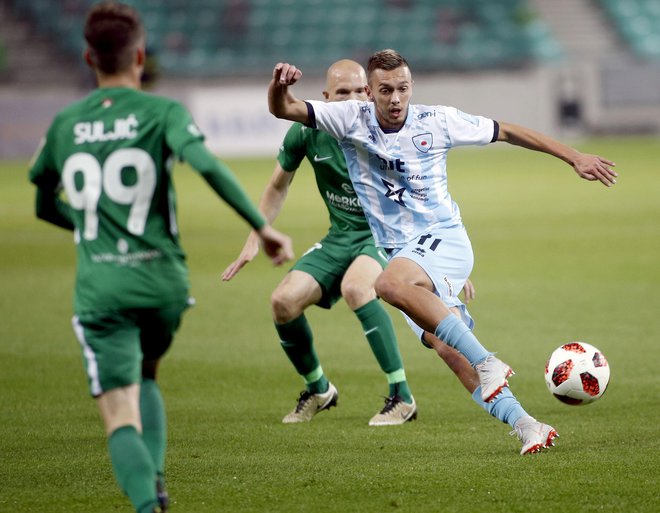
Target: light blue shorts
[446, 257]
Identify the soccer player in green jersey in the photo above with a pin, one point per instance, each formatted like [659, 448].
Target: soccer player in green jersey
[112, 154]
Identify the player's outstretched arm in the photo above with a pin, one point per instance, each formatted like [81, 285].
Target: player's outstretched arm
[281, 102]
[587, 166]
[276, 245]
[270, 205]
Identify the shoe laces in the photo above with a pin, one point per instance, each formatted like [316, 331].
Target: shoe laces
[390, 404]
[304, 398]
[518, 428]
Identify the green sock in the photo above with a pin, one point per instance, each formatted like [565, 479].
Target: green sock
[133, 467]
[379, 330]
[154, 422]
[400, 388]
[298, 344]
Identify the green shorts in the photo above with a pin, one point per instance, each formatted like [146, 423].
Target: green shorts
[114, 344]
[328, 260]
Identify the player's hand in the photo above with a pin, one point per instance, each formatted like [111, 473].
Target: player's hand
[469, 292]
[595, 168]
[286, 74]
[276, 245]
[250, 250]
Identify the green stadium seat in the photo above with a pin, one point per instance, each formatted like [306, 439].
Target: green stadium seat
[244, 36]
[638, 24]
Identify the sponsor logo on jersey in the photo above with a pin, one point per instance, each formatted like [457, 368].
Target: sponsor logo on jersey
[394, 195]
[420, 194]
[348, 188]
[425, 114]
[418, 178]
[397, 164]
[321, 159]
[423, 142]
[127, 259]
[350, 204]
[94, 131]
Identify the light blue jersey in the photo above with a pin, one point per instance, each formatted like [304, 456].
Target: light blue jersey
[401, 177]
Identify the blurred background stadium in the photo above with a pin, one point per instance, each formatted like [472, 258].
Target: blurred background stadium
[567, 67]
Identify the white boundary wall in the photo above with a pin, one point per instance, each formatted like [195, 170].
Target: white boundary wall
[235, 118]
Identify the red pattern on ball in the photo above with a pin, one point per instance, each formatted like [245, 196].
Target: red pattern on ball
[561, 372]
[599, 360]
[590, 384]
[574, 347]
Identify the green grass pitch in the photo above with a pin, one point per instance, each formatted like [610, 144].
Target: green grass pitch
[556, 259]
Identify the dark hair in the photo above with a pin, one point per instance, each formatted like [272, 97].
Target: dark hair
[113, 31]
[386, 60]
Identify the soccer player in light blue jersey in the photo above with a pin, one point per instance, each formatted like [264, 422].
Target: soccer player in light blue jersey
[344, 263]
[396, 155]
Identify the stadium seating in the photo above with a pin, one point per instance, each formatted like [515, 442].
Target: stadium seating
[244, 37]
[638, 23]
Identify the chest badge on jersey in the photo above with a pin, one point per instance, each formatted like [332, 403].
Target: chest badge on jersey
[423, 142]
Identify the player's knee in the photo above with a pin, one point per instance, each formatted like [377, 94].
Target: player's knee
[283, 306]
[388, 288]
[356, 294]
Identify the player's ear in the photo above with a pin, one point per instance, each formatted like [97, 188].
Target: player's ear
[368, 91]
[88, 57]
[141, 56]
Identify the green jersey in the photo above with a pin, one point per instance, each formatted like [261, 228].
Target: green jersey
[332, 178]
[112, 153]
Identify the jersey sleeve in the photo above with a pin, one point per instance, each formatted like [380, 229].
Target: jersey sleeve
[43, 172]
[181, 130]
[335, 118]
[293, 149]
[223, 182]
[464, 129]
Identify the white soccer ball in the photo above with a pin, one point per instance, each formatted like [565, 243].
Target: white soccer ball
[577, 373]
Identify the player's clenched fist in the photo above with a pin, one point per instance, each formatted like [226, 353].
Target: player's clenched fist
[286, 74]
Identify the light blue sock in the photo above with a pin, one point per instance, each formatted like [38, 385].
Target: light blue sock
[456, 334]
[504, 407]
